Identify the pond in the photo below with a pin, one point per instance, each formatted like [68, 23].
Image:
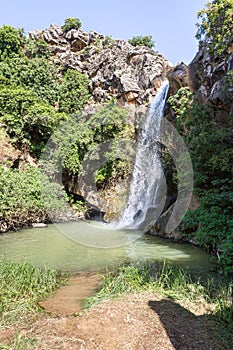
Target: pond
[91, 246]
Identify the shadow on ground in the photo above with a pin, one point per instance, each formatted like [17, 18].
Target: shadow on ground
[182, 325]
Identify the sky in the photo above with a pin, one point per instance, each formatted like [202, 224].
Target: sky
[171, 23]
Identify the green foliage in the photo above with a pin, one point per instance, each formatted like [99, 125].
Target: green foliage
[22, 200]
[216, 28]
[11, 42]
[108, 40]
[73, 91]
[27, 120]
[77, 140]
[213, 225]
[37, 48]
[33, 101]
[21, 287]
[142, 41]
[210, 145]
[181, 102]
[36, 74]
[71, 23]
[211, 148]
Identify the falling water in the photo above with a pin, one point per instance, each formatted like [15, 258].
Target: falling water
[148, 186]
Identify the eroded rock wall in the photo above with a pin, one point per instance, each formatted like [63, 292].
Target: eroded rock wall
[115, 67]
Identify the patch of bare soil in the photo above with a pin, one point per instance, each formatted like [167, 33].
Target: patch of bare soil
[142, 321]
[68, 299]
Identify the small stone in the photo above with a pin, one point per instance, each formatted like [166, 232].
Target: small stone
[39, 225]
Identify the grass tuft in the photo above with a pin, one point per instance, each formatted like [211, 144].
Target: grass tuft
[21, 287]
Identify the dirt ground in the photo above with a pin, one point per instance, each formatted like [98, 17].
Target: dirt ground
[144, 321]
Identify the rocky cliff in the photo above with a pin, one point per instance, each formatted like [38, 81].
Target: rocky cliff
[115, 68]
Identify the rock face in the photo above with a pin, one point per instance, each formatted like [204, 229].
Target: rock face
[115, 68]
[209, 80]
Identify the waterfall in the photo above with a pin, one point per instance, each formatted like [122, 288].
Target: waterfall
[148, 187]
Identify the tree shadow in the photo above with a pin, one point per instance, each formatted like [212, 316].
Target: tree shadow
[186, 330]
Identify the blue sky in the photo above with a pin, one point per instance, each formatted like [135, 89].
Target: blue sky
[170, 22]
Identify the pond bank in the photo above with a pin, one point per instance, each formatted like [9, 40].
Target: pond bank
[163, 318]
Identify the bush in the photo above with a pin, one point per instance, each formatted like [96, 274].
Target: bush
[37, 74]
[22, 201]
[211, 149]
[142, 41]
[73, 92]
[71, 23]
[11, 42]
[78, 140]
[211, 224]
[37, 48]
[27, 120]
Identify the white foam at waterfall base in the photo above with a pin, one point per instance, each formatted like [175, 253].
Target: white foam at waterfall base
[147, 192]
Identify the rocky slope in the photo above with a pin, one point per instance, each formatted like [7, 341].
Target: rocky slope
[115, 68]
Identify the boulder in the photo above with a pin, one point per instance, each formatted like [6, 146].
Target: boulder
[129, 84]
[178, 77]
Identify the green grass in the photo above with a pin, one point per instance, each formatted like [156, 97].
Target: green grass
[21, 287]
[170, 281]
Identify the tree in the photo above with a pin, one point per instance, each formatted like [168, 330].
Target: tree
[37, 48]
[73, 92]
[216, 27]
[11, 42]
[71, 23]
[142, 41]
[27, 119]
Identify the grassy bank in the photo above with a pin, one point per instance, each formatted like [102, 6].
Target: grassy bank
[21, 287]
[174, 284]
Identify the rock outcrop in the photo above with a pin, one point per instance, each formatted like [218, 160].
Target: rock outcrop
[115, 67]
[209, 80]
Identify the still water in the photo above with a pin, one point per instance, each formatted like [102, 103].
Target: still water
[91, 246]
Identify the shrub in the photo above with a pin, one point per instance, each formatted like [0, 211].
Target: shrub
[27, 120]
[73, 91]
[38, 74]
[71, 23]
[142, 41]
[211, 149]
[22, 200]
[212, 225]
[11, 42]
[37, 48]
[77, 140]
